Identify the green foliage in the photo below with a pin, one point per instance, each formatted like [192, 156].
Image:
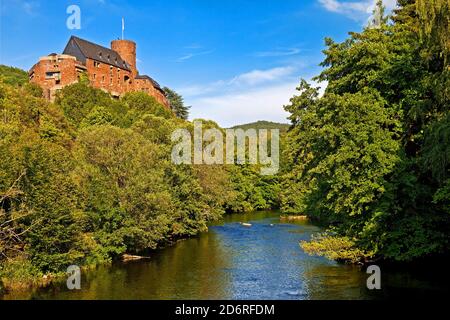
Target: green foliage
[347, 149]
[283, 127]
[78, 100]
[143, 103]
[18, 274]
[252, 190]
[97, 116]
[37, 190]
[176, 102]
[13, 76]
[335, 248]
[88, 178]
[370, 156]
[434, 25]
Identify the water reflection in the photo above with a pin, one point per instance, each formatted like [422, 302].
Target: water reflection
[234, 262]
[337, 282]
[193, 269]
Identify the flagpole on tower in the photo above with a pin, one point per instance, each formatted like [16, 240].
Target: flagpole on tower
[123, 26]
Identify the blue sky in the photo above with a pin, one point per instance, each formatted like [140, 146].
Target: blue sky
[234, 61]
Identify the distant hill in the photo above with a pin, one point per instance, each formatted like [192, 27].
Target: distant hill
[13, 76]
[262, 124]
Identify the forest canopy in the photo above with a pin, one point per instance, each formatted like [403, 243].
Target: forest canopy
[88, 178]
[371, 156]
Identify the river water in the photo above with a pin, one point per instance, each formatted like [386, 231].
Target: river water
[236, 262]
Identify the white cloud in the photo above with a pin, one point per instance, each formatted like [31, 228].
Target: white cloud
[251, 96]
[30, 7]
[360, 10]
[195, 90]
[195, 54]
[280, 52]
[345, 7]
[265, 103]
[244, 81]
[261, 76]
[186, 57]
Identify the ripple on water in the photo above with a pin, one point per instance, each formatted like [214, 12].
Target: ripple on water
[229, 262]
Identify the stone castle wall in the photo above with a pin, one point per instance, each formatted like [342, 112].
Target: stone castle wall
[112, 79]
[55, 71]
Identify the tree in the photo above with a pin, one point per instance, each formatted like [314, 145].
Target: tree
[371, 156]
[88, 178]
[13, 76]
[378, 18]
[434, 24]
[176, 102]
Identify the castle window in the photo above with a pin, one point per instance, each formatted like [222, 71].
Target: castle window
[96, 64]
[100, 54]
[52, 75]
[103, 79]
[108, 57]
[94, 76]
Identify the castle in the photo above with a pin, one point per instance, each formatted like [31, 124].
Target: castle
[112, 70]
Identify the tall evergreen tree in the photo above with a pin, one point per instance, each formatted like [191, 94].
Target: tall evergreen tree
[177, 104]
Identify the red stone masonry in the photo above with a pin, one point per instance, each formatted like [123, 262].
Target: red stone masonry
[114, 80]
[147, 86]
[112, 70]
[127, 51]
[54, 72]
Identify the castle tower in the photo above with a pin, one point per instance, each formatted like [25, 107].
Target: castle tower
[127, 50]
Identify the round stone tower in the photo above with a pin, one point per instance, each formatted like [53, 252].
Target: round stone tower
[127, 50]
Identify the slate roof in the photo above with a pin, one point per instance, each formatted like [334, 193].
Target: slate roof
[155, 84]
[96, 52]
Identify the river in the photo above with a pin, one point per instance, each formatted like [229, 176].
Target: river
[236, 262]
